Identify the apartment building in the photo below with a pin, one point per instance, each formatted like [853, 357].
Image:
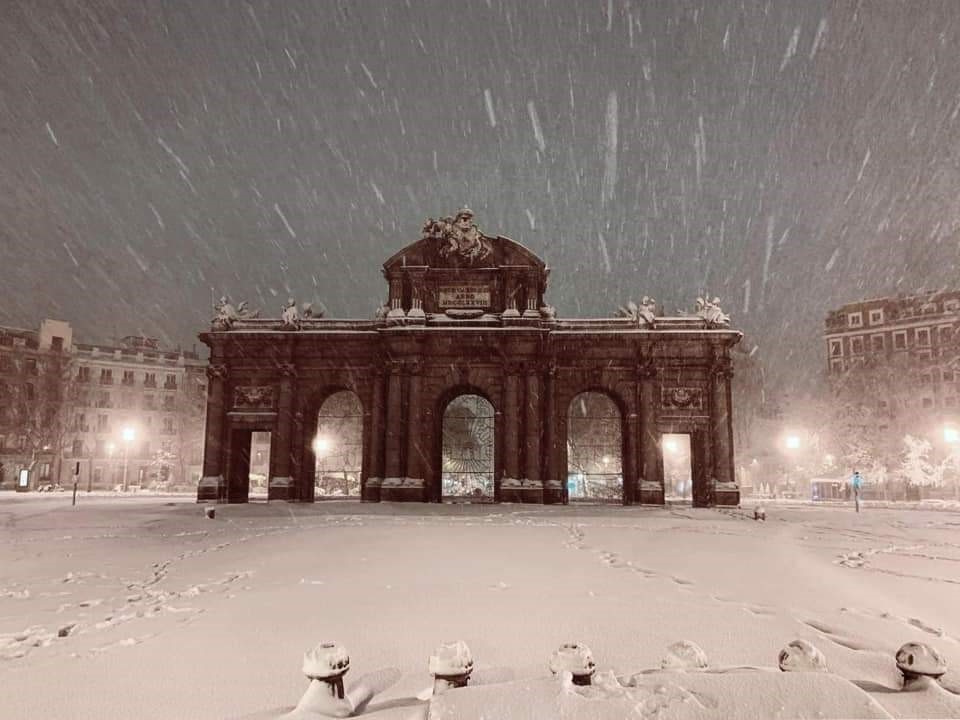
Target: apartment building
[33, 364]
[124, 414]
[916, 334]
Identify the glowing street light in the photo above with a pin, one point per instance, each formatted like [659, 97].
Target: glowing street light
[792, 442]
[951, 434]
[671, 445]
[322, 445]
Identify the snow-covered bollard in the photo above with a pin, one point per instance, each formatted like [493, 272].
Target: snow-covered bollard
[325, 666]
[450, 665]
[576, 659]
[684, 655]
[210, 512]
[919, 660]
[759, 513]
[801, 656]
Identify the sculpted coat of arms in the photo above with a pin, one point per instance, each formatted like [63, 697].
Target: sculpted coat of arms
[458, 238]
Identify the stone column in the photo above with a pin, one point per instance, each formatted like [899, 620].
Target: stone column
[393, 474]
[511, 483]
[630, 478]
[725, 490]
[396, 312]
[416, 315]
[552, 487]
[281, 485]
[212, 487]
[305, 480]
[651, 479]
[374, 435]
[413, 480]
[532, 311]
[533, 484]
[510, 291]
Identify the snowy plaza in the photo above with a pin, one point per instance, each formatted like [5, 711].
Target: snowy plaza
[144, 607]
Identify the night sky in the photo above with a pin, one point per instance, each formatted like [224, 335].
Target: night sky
[786, 156]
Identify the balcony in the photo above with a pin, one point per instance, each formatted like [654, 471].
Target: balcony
[106, 381]
[170, 385]
[150, 382]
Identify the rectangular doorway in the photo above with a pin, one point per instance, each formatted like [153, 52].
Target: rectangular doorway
[248, 465]
[677, 467]
[259, 464]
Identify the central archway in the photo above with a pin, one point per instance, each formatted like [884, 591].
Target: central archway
[467, 454]
[338, 446]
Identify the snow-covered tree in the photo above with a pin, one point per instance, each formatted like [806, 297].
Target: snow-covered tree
[916, 466]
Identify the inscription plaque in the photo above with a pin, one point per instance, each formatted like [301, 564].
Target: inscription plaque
[464, 296]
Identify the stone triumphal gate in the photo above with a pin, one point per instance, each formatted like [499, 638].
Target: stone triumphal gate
[467, 385]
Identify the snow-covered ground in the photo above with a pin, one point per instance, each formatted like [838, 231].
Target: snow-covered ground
[142, 607]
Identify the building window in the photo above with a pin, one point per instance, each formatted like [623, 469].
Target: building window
[31, 367]
[900, 340]
[855, 319]
[106, 376]
[926, 378]
[103, 423]
[103, 401]
[856, 345]
[83, 374]
[951, 305]
[150, 380]
[170, 383]
[56, 343]
[77, 449]
[836, 366]
[948, 375]
[149, 403]
[128, 377]
[928, 402]
[836, 348]
[876, 316]
[28, 391]
[876, 343]
[169, 402]
[168, 427]
[924, 355]
[923, 336]
[882, 404]
[946, 334]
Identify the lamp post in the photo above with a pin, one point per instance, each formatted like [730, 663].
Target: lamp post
[128, 433]
[951, 436]
[110, 448]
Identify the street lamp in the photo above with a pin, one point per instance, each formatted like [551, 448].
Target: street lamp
[128, 434]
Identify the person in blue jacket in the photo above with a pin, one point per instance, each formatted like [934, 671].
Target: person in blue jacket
[856, 482]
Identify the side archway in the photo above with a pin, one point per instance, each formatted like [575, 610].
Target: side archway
[595, 449]
[338, 446]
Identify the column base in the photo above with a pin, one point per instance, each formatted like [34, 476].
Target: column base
[402, 490]
[371, 490]
[521, 490]
[552, 492]
[726, 495]
[211, 488]
[651, 493]
[281, 488]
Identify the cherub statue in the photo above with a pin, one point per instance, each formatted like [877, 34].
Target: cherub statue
[458, 237]
[710, 311]
[289, 315]
[226, 314]
[381, 312]
[642, 314]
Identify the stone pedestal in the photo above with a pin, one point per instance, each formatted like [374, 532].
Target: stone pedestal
[212, 489]
[651, 493]
[402, 490]
[281, 488]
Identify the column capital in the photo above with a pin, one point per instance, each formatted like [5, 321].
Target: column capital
[722, 368]
[217, 371]
[646, 369]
